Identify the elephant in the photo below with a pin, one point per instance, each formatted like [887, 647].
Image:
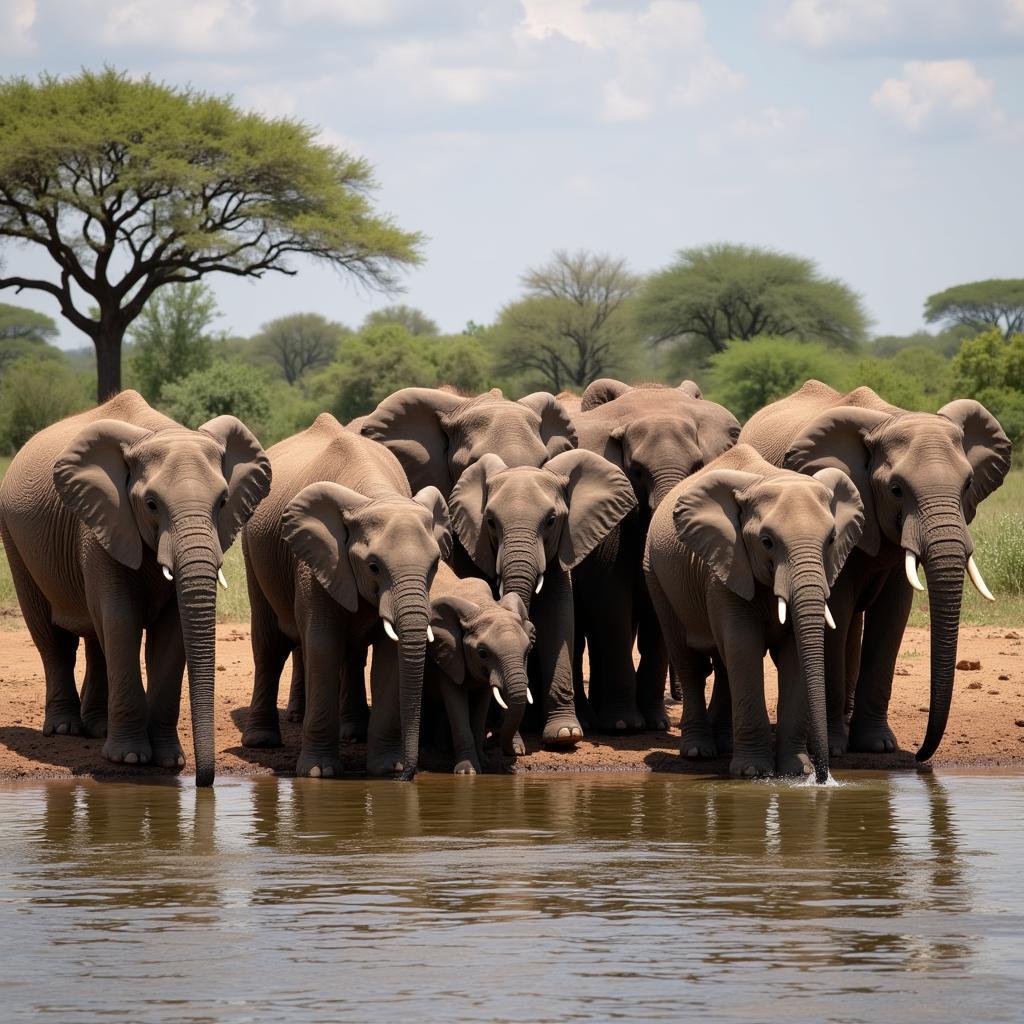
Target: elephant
[657, 436]
[480, 649]
[525, 528]
[733, 552]
[339, 557]
[921, 477]
[438, 434]
[115, 523]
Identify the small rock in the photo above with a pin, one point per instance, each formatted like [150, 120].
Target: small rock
[901, 671]
[1004, 678]
[221, 668]
[923, 710]
[974, 686]
[966, 665]
[1019, 723]
[1012, 635]
[993, 693]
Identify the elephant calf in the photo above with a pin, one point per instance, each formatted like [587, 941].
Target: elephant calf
[116, 522]
[739, 560]
[339, 557]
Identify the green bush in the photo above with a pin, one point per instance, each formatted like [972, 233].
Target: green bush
[232, 388]
[990, 368]
[36, 392]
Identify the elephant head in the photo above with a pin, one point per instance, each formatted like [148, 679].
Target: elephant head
[486, 644]
[515, 521]
[384, 551]
[184, 494]
[437, 435]
[921, 477]
[790, 533]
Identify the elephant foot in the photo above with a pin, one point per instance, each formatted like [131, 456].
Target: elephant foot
[95, 726]
[697, 743]
[624, 720]
[798, 764]
[167, 752]
[318, 765]
[562, 730]
[260, 737]
[67, 723]
[295, 713]
[385, 762]
[838, 741]
[751, 766]
[466, 767]
[872, 738]
[517, 748]
[352, 730]
[655, 718]
[132, 750]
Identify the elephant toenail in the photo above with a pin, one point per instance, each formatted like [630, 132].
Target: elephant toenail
[314, 772]
[328, 772]
[131, 758]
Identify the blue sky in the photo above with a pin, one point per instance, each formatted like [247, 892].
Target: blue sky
[882, 138]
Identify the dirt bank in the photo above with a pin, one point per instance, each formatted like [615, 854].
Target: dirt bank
[986, 725]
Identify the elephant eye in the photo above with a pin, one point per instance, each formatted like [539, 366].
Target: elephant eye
[151, 504]
[223, 501]
[482, 651]
[551, 519]
[969, 483]
[490, 521]
[374, 569]
[832, 536]
[895, 490]
[767, 542]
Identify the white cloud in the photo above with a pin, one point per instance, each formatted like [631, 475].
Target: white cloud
[620, 106]
[939, 91]
[705, 80]
[190, 26]
[17, 18]
[1013, 15]
[821, 23]
[749, 131]
[353, 13]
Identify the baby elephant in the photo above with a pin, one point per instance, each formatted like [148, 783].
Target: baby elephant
[739, 560]
[480, 648]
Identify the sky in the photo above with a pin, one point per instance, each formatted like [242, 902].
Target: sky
[881, 138]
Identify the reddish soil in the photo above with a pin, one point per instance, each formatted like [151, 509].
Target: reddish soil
[986, 726]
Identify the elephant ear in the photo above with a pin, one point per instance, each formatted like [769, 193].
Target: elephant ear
[246, 469]
[409, 423]
[707, 521]
[447, 615]
[91, 476]
[598, 495]
[432, 500]
[717, 429]
[848, 513]
[556, 429]
[313, 525]
[468, 507]
[836, 440]
[690, 388]
[598, 392]
[986, 446]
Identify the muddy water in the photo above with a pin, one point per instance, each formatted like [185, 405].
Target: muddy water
[514, 899]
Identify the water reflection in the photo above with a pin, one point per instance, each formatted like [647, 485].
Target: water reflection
[489, 897]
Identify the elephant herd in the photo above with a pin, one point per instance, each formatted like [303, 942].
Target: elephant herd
[477, 545]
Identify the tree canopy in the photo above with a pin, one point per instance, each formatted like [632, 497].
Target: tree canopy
[300, 343]
[415, 321]
[131, 184]
[571, 326]
[990, 368]
[979, 305]
[715, 294]
[21, 324]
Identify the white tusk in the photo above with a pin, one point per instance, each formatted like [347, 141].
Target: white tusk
[501, 588]
[828, 618]
[782, 611]
[390, 630]
[168, 575]
[910, 566]
[529, 696]
[430, 634]
[540, 583]
[497, 697]
[975, 573]
[222, 579]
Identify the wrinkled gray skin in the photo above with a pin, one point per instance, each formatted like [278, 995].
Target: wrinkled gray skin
[724, 547]
[525, 529]
[921, 477]
[480, 645]
[93, 509]
[339, 547]
[658, 436]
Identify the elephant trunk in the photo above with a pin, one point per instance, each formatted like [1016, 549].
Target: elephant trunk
[512, 678]
[410, 605]
[196, 562]
[946, 547]
[521, 564]
[663, 480]
[808, 611]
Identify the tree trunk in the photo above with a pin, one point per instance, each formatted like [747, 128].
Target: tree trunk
[108, 361]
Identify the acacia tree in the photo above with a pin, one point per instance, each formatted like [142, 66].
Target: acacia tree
[414, 320]
[571, 327]
[299, 343]
[980, 305]
[129, 185]
[719, 293]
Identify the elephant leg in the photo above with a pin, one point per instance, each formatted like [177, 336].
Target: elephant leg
[322, 627]
[552, 614]
[653, 667]
[742, 646]
[57, 650]
[791, 718]
[94, 690]
[355, 714]
[854, 636]
[479, 705]
[838, 641]
[884, 625]
[270, 648]
[384, 729]
[464, 743]
[720, 708]
[297, 691]
[584, 711]
[165, 667]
